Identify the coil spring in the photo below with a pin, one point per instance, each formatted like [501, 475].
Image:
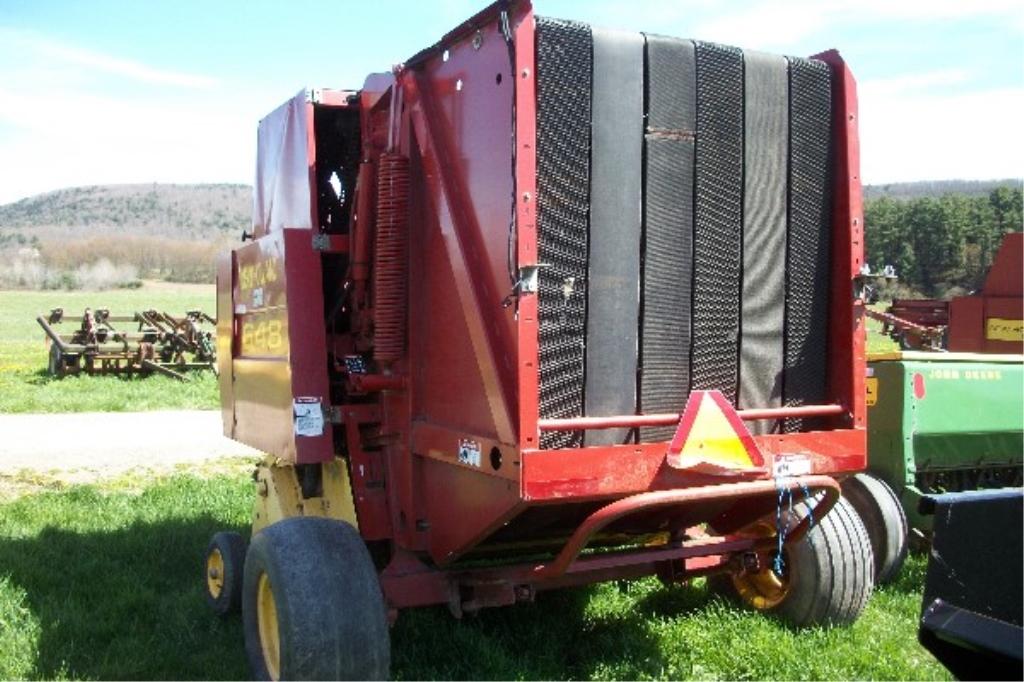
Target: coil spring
[389, 258]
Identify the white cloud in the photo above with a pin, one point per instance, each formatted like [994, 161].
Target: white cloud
[31, 46]
[782, 24]
[939, 134]
[767, 25]
[70, 116]
[915, 82]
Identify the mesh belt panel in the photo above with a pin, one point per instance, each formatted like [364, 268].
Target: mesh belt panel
[807, 266]
[762, 321]
[718, 225]
[668, 231]
[616, 185]
[564, 66]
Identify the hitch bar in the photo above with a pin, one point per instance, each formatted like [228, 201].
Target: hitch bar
[670, 498]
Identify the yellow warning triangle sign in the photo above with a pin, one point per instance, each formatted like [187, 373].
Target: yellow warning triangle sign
[711, 438]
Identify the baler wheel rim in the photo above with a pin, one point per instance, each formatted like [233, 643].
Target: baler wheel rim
[215, 573]
[266, 617]
[762, 589]
[222, 572]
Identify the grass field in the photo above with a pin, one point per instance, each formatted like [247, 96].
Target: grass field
[106, 583]
[26, 387]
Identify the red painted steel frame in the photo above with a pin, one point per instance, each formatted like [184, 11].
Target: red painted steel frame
[466, 118]
[458, 222]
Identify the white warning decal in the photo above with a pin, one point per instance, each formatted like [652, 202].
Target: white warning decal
[469, 452]
[309, 417]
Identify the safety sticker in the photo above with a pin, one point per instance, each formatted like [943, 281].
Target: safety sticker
[469, 452]
[791, 465]
[997, 329]
[871, 384]
[309, 417]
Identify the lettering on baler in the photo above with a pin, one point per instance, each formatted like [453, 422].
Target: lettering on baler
[257, 274]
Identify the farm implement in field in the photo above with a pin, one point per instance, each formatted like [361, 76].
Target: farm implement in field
[990, 320]
[142, 343]
[545, 305]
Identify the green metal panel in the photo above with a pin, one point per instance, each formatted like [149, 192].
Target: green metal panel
[947, 412]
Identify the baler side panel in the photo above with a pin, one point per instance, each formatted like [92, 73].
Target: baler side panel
[278, 351]
[461, 126]
[462, 339]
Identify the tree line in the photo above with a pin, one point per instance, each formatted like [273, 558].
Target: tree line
[940, 246]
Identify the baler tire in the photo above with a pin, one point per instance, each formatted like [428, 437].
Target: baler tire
[329, 618]
[885, 520]
[828, 574]
[230, 548]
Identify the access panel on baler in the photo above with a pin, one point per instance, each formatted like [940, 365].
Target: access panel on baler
[271, 304]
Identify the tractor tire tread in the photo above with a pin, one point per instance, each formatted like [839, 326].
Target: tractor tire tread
[885, 520]
[331, 616]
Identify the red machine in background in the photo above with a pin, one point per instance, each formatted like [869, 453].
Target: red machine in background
[529, 312]
[992, 320]
[987, 321]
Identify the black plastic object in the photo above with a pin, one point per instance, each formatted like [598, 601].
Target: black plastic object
[807, 261]
[971, 615]
[668, 234]
[718, 219]
[616, 186]
[564, 68]
[762, 319]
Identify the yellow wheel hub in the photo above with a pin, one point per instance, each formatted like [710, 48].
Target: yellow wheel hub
[215, 573]
[266, 618]
[762, 589]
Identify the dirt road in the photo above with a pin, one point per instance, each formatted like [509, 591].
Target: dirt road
[81, 447]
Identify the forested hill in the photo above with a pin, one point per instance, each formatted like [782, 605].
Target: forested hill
[175, 211]
[936, 188]
[940, 246]
[940, 236]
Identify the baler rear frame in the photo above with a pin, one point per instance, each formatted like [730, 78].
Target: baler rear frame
[425, 445]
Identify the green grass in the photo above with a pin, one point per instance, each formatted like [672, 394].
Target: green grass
[26, 387]
[877, 342]
[106, 583]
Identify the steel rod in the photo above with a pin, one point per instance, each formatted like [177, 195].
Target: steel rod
[632, 421]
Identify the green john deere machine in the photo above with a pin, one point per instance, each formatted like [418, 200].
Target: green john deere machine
[949, 421]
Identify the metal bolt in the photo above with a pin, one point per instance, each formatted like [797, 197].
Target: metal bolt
[526, 197]
[526, 73]
[478, 40]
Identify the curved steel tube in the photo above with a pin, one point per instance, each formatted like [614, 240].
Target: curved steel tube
[672, 498]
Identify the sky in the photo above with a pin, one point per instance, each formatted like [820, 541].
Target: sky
[120, 91]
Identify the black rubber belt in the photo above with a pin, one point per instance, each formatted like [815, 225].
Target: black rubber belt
[766, 148]
[718, 224]
[807, 257]
[613, 283]
[668, 230]
[563, 197]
